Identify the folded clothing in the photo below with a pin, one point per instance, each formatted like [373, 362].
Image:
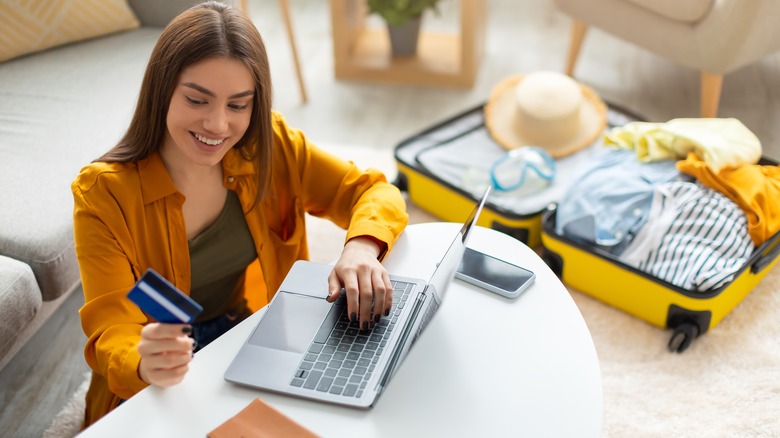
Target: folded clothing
[754, 188]
[695, 238]
[610, 199]
[721, 143]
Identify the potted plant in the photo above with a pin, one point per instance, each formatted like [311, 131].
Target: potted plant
[403, 22]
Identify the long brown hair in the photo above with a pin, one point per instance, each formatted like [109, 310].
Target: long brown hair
[210, 29]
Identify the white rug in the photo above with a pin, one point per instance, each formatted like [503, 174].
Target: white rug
[68, 422]
[727, 384]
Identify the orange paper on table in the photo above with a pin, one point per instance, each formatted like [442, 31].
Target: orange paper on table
[260, 420]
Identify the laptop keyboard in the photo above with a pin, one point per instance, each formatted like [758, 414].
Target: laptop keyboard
[342, 358]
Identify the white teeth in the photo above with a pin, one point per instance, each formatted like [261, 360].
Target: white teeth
[208, 141]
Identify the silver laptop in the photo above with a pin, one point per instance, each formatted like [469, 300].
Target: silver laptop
[306, 347]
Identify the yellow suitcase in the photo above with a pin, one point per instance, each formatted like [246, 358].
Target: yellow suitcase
[450, 202]
[688, 314]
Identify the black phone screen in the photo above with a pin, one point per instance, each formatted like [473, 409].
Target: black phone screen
[493, 271]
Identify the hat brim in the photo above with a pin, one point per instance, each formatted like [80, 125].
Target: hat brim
[501, 120]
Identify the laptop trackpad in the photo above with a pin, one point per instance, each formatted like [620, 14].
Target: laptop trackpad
[291, 322]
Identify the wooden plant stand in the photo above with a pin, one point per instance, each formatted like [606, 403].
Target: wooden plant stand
[363, 54]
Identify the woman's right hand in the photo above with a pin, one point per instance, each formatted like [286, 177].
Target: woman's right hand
[165, 351]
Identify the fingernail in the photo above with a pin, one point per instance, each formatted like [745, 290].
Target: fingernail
[352, 317]
[187, 329]
[376, 319]
[387, 312]
[365, 326]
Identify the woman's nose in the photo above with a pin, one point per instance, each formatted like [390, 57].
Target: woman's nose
[216, 122]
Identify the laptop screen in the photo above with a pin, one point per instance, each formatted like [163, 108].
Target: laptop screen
[445, 270]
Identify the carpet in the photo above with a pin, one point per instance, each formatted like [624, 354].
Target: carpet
[68, 421]
[727, 384]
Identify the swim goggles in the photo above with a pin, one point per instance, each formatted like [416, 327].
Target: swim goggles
[516, 167]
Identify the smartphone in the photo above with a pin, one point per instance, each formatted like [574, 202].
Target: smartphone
[494, 274]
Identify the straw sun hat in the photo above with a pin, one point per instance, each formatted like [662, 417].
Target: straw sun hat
[545, 109]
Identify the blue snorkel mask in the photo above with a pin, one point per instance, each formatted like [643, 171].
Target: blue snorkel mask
[526, 167]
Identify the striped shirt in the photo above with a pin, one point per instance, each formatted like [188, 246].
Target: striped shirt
[695, 238]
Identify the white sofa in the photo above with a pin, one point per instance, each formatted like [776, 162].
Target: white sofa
[61, 108]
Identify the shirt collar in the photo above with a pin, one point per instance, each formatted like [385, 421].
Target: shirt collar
[234, 163]
[156, 183]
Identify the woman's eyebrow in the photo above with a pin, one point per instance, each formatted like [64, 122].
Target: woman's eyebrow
[208, 92]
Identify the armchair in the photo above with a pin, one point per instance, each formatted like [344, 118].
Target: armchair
[714, 37]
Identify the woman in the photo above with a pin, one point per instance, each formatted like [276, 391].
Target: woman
[207, 180]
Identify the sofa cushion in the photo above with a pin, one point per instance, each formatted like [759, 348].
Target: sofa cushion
[688, 11]
[27, 27]
[61, 109]
[20, 300]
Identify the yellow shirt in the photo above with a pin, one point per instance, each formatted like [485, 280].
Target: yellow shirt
[721, 143]
[754, 188]
[128, 217]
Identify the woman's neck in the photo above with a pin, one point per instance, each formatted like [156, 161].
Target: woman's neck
[185, 174]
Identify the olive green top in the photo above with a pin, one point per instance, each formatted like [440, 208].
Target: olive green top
[218, 259]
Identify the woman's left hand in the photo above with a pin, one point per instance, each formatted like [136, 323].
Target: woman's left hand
[365, 280]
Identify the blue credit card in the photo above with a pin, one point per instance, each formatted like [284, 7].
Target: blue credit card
[161, 300]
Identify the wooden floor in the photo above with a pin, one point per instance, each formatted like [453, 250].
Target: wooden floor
[523, 36]
[38, 382]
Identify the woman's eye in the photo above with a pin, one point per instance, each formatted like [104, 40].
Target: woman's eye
[194, 101]
[238, 107]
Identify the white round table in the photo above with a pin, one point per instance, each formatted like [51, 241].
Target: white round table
[485, 366]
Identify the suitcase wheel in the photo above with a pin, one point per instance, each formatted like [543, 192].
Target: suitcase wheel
[682, 337]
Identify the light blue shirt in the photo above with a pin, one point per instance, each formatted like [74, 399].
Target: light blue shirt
[610, 200]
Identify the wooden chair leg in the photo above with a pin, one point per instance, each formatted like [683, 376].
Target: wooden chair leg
[285, 8]
[578, 30]
[711, 85]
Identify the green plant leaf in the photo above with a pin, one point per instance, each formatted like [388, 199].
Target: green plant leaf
[398, 12]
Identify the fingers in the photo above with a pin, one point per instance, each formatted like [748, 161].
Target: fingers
[352, 290]
[366, 299]
[165, 351]
[165, 331]
[369, 294]
[365, 281]
[381, 293]
[166, 346]
[167, 377]
[389, 293]
[334, 287]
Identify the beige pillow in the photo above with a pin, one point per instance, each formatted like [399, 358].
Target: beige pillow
[30, 26]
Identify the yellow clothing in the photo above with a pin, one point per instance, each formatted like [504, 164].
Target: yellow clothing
[755, 188]
[721, 143]
[128, 217]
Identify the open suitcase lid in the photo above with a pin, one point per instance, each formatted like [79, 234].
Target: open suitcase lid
[459, 152]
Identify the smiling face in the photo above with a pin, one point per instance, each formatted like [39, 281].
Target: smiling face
[209, 112]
